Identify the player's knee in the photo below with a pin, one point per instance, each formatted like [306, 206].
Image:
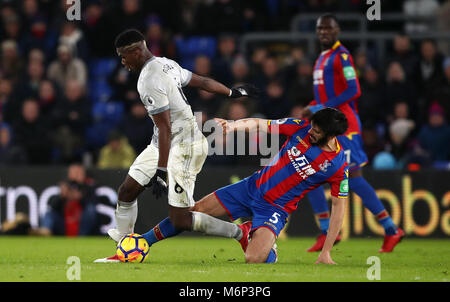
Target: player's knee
[198, 207]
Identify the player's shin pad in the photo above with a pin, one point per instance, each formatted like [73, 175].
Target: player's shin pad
[212, 226]
[126, 215]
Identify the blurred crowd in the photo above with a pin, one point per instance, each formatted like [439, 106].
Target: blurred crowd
[64, 96]
[71, 212]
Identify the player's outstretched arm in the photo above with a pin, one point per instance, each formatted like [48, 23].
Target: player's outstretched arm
[213, 86]
[336, 219]
[248, 124]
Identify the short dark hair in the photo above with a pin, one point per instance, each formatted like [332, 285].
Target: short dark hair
[330, 16]
[128, 37]
[331, 121]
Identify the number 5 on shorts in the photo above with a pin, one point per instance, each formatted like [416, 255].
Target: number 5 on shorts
[274, 218]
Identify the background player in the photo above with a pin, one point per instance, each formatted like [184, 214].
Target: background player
[178, 148]
[336, 85]
[310, 157]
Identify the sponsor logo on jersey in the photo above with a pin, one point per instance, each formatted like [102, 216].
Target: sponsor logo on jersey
[349, 73]
[300, 163]
[344, 186]
[318, 77]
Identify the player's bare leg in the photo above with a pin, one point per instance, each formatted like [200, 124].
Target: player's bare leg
[263, 240]
[210, 205]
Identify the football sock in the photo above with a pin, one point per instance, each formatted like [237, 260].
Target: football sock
[206, 224]
[162, 230]
[126, 215]
[386, 221]
[319, 205]
[272, 257]
[371, 201]
[324, 222]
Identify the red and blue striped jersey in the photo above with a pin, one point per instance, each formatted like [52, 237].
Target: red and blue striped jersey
[336, 84]
[300, 167]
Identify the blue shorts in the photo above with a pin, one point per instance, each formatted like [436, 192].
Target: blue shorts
[241, 200]
[353, 150]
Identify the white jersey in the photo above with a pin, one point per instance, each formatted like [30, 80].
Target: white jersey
[160, 88]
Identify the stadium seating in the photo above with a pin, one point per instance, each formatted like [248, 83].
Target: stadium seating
[189, 48]
[99, 70]
[106, 116]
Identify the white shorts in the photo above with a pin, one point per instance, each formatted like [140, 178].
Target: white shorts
[185, 162]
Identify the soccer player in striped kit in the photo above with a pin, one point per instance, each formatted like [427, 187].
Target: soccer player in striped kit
[336, 85]
[311, 156]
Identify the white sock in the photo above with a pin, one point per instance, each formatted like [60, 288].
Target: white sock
[206, 224]
[126, 215]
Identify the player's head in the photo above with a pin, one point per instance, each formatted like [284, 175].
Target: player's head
[326, 124]
[131, 47]
[327, 30]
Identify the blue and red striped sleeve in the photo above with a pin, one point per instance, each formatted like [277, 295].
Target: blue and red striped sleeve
[339, 182]
[346, 82]
[286, 126]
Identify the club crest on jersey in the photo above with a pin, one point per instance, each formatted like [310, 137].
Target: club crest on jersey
[324, 166]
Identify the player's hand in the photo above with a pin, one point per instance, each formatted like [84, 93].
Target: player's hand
[325, 257]
[307, 113]
[159, 182]
[246, 90]
[223, 123]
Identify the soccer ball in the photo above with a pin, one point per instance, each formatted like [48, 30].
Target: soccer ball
[132, 248]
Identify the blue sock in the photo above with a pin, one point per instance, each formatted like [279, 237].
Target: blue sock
[324, 222]
[162, 230]
[319, 205]
[272, 257]
[364, 190]
[371, 201]
[386, 221]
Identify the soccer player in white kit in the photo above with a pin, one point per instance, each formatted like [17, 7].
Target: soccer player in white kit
[178, 149]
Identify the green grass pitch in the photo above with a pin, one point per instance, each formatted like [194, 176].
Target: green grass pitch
[193, 259]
